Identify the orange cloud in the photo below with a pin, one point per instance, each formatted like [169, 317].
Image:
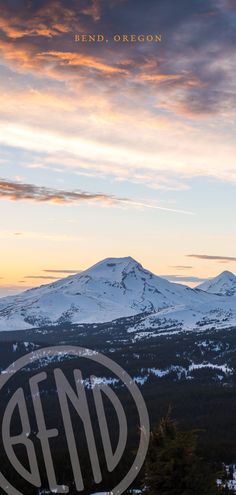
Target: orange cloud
[16, 191]
[81, 60]
[56, 64]
[46, 23]
[183, 80]
[40, 29]
[11, 53]
[160, 77]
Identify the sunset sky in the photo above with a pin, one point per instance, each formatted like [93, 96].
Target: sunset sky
[117, 149]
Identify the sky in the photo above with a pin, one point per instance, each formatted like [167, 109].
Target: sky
[112, 149]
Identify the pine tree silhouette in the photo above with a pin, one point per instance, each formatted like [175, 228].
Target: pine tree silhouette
[173, 466]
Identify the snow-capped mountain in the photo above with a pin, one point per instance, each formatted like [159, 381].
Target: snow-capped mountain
[224, 284]
[120, 288]
[111, 289]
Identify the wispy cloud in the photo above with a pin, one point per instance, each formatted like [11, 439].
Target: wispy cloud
[18, 191]
[103, 147]
[178, 278]
[41, 277]
[211, 257]
[62, 271]
[181, 267]
[156, 207]
[72, 59]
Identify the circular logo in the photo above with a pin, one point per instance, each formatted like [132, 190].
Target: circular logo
[66, 395]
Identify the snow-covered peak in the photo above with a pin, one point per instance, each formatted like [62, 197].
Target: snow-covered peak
[113, 288]
[224, 284]
[114, 267]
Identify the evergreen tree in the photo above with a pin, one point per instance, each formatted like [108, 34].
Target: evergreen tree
[173, 466]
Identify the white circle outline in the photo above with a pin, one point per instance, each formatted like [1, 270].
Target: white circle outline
[118, 371]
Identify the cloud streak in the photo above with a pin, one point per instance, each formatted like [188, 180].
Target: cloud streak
[211, 257]
[41, 277]
[18, 191]
[62, 271]
[182, 267]
[155, 207]
[70, 59]
[178, 278]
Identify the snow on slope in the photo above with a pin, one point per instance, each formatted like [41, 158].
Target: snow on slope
[224, 284]
[215, 314]
[111, 289]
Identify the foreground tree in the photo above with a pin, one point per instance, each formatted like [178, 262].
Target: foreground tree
[173, 466]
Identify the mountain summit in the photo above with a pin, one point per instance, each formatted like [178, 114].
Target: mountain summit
[113, 288]
[224, 284]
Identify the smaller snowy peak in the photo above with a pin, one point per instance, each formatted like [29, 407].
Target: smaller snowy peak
[224, 284]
